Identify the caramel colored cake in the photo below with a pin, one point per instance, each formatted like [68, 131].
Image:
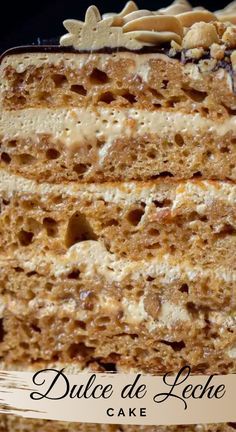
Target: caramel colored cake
[118, 200]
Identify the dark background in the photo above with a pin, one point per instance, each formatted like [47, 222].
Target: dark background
[23, 22]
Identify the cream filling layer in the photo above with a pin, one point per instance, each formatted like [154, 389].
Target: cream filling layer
[170, 316]
[96, 260]
[93, 259]
[197, 193]
[134, 313]
[73, 127]
[20, 62]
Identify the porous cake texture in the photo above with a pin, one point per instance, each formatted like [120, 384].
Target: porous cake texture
[21, 425]
[118, 200]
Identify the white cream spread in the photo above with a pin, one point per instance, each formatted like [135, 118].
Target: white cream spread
[171, 313]
[75, 126]
[134, 313]
[197, 193]
[20, 62]
[96, 260]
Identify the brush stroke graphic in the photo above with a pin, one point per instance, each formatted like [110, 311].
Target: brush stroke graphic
[119, 398]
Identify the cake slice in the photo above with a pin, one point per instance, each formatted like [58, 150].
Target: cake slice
[118, 199]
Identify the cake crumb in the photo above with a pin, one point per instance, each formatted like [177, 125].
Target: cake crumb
[218, 51]
[229, 37]
[195, 53]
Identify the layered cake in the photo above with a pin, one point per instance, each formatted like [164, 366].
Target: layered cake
[118, 199]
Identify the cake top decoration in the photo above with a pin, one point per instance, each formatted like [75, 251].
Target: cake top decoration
[118, 18]
[177, 7]
[94, 32]
[134, 28]
[228, 13]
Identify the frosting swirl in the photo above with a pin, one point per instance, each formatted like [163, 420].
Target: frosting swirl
[154, 29]
[228, 13]
[118, 18]
[177, 7]
[187, 19]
